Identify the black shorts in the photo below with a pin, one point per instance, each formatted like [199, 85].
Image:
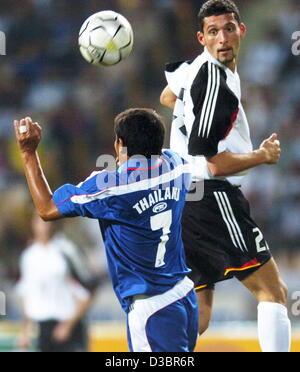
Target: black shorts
[221, 239]
[78, 341]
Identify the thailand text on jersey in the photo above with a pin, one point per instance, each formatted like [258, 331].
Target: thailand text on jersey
[139, 208]
[208, 117]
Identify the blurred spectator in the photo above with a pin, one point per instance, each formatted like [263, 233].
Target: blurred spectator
[49, 294]
[264, 59]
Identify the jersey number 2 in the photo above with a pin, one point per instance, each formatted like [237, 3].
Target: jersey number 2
[162, 221]
[259, 240]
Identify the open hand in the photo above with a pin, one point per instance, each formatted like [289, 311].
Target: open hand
[28, 135]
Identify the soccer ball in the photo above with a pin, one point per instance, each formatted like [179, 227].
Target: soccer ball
[105, 38]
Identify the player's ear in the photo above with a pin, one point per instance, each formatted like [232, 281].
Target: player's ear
[243, 29]
[117, 145]
[200, 37]
[122, 147]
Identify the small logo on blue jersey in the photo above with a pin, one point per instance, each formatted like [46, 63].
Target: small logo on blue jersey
[160, 207]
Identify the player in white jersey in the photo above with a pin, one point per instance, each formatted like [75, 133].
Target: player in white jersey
[210, 129]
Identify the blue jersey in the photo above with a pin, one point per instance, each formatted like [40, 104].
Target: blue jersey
[139, 208]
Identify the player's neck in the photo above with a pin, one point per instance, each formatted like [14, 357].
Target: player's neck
[232, 66]
[43, 240]
[123, 160]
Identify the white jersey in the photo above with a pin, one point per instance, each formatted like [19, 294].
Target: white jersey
[208, 117]
[47, 286]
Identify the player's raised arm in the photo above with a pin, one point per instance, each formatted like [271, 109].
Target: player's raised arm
[29, 135]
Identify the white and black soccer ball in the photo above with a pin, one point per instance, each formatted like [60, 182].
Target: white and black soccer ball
[105, 38]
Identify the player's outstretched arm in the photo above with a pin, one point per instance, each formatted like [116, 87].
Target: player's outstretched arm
[29, 135]
[168, 98]
[226, 163]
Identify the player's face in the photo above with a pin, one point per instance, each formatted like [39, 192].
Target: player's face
[222, 37]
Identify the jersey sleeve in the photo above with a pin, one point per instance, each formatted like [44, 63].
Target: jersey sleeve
[215, 110]
[89, 199]
[176, 75]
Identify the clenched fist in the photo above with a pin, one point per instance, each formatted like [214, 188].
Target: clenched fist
[28, 135]
[271, 149]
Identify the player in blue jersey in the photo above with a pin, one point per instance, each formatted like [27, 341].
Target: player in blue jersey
[139, 208]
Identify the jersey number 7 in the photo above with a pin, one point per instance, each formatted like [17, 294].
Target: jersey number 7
[162, 221]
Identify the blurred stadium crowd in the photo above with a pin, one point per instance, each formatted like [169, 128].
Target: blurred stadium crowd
[43, 75]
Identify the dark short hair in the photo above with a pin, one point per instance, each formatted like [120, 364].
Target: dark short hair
[216, 8]
[142, 131]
